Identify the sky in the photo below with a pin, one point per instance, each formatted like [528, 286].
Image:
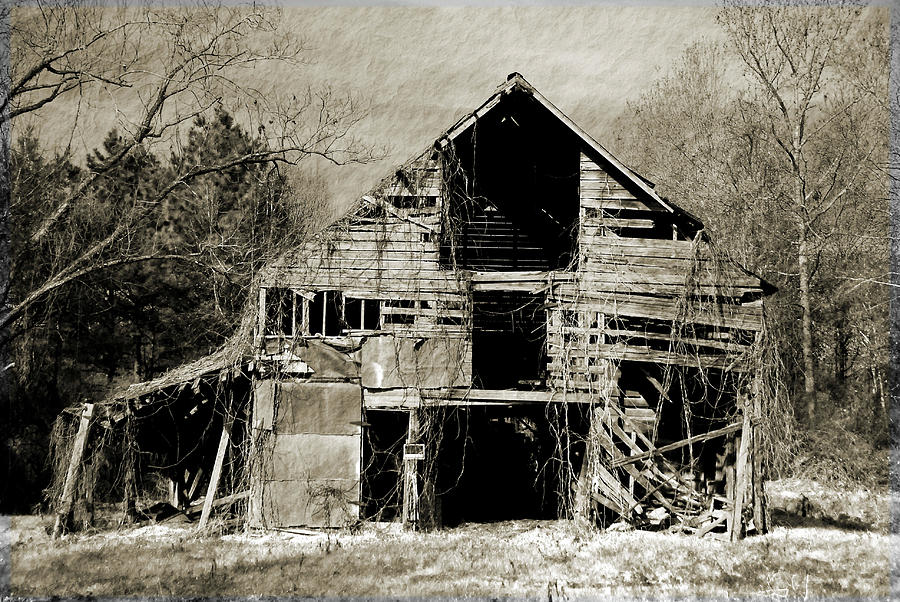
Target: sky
[421, 68]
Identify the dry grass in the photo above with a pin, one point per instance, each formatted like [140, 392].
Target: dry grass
[850, 508]
[523, 559]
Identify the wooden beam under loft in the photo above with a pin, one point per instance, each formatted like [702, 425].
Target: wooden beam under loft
[532, 282]
[405, 399]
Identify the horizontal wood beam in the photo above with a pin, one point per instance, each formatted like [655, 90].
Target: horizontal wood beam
[411, 398]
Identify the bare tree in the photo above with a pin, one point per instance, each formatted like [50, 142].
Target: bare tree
[725, 151]
[159, 68]
[809, 116]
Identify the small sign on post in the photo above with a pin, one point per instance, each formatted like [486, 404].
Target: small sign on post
[414, 451]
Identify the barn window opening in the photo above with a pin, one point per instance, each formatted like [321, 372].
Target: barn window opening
[325, 313]
[411, 202]
[371, 314]
[361, 314]
[404, 202]
[509, 337]
[400, 319]
[284, 312]
[353, 313]
[401, 311]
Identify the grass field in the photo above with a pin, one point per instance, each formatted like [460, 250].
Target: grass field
[535, 559]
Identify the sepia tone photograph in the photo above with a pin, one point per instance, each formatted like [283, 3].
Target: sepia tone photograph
[515, 300]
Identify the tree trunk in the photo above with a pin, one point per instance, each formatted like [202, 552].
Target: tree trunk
[806, 323]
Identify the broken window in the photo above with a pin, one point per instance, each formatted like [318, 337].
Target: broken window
[332, 314]
[325, 312]
[284, 312]
[400, 311]
[361, 314]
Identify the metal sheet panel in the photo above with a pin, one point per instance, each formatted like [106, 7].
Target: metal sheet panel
[308, 472]
[308, 456]
[323, 408]
[431, 363]
[263, 404]
[327, 362]
[317, 503]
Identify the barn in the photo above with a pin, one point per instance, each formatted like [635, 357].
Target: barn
[513, 324]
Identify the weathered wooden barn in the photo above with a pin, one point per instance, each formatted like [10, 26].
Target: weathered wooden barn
[513, 324]
[519, 301]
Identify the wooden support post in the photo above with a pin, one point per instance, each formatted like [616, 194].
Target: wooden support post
[410, 511]
[261, 317]
[65, 500]
[87, 481]
[729, 487]
[585, 486]
[224, 440]
[759, 493]
[740, 479]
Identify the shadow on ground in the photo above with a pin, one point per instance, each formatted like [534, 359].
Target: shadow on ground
[783, 518]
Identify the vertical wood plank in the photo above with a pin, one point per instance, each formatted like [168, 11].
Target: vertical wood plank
[261, 316]
[195, 482]
[729, 493]
[584, 487]
[78, 446]
[216, 471]
[759, 492]
[410, 512]
[304, 317]
[740, 480]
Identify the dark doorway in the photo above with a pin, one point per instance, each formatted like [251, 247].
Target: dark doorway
[495, 465]
[509, 334]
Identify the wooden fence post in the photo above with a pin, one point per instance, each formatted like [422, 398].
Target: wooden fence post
[65, 501]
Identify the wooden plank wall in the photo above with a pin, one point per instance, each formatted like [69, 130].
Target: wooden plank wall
[384, 249]
[619, 305]
[634, 265]
[388, 250]
[490, 240]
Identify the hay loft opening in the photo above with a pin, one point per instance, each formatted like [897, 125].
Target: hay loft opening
[512, 190]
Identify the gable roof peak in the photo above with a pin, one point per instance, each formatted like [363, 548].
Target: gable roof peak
[514, 81]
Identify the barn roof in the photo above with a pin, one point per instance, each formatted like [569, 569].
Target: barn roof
[515, 82]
